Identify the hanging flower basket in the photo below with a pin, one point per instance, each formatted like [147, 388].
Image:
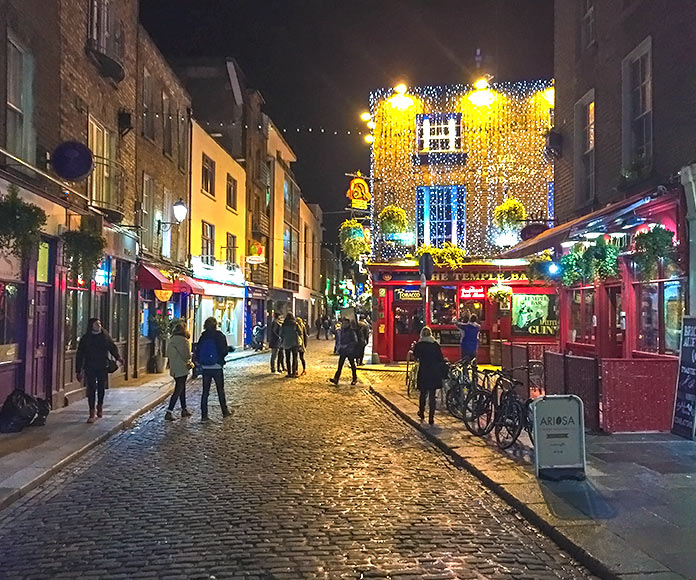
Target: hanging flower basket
[20, 224]
[650, 247]
[509, 215]
[84, 250]
[449, 256]
[352, 237]
[500, 294]
[392, 220]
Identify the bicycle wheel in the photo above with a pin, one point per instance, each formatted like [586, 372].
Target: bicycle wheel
[478, 411]
[412, 381]
[508, 425]
[454, 400]
[529, 419]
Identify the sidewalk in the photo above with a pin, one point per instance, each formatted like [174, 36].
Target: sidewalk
[30, 457]
[634, 516]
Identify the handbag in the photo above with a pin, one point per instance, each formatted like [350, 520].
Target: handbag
[111, 365]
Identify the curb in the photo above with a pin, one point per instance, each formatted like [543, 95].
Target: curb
[594, 565]
[121, 426]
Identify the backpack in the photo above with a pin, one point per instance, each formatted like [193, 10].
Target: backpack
[208, 353]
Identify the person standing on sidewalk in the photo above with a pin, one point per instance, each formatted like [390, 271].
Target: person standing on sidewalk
[210, 352]
[469, 328]
[431, 363]
[290, 338]
[347, 349]
[179, 355]
[93, 358]
[274, 344]
[326, 325]
[318, 324]
[303, 343]
[363, 339]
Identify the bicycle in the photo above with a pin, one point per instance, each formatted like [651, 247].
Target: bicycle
[457, 388]
[411, 373]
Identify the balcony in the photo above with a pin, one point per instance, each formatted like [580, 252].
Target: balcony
[260, 225]
[105, 43]
[106, 189]
[259, 274]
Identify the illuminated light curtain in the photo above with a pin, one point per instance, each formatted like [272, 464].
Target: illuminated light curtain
[441, 215]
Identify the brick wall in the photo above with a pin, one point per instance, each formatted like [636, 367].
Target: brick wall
[620, 27]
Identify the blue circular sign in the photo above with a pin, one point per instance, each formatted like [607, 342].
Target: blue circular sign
[72, 160]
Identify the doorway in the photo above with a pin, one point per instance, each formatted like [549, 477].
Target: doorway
[42, 384]
[616, 323]
[408, 322]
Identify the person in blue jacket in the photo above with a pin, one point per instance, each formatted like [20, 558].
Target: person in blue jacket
[470, 332]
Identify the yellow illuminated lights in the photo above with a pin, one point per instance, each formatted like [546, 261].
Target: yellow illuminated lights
[365, 116]
[400, 89]
[371, 124]
[550, 96]
[481, 84]
[369, 139]
[503, 140]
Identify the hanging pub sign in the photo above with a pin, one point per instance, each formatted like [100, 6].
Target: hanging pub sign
[684, 423]
[407, 295]
[256, 253]
[358, 192]
[472, 293]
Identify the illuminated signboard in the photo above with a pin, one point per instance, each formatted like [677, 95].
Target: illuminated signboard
[472, 293]
[534, 314]
[407, 294]
[359, 192]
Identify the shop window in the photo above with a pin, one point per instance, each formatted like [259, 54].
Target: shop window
[119, 326]
[407, 320]
[535, 315]
[43, 267]
[582, 326]
[9, 313]
[660, 311]
[443, 305]
[147, 308]
[469, 307]
[76, 316]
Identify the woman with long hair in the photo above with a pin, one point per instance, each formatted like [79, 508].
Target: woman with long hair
[430, 371]
[179, 354]
[303, 343]
[290, 338]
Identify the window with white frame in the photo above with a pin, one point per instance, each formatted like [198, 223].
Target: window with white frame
[637, 129]
[439, 132]
[167, 124]
[20, 136]
[208, 175]
[231, 192]
[231, 249]
[168, 216]
[148, 105]
[441, 215]
[585, 147]
[147, 219]
[587, 23]
[104, 28]
[102, 181]
[207, 243]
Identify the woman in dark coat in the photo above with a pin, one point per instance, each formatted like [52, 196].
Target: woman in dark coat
[430, 370]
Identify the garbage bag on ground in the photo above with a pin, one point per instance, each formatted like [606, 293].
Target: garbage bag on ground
[44, 409]
[18, 411]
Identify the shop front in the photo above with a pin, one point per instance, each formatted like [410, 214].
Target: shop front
[281, 301]
[400, 311]
[256, 297]
[225, 303]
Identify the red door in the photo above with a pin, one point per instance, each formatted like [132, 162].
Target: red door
[42, 339]
[408, 321]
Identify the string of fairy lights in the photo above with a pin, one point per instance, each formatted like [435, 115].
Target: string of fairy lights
[419, 136]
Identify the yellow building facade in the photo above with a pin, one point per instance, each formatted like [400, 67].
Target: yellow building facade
[448, 155]
[218, 232]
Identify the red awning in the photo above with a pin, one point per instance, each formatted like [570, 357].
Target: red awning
[188, 285]
[150, 278]
[596, 219]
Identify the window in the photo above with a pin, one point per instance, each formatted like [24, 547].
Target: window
[305, 257]
[585, 148]
[291, 248]
[102, 181]
[208, 175]
[168, 216]
[147, 218]
[207, 243]
[148, 105]
[441, 215]
[443, 304]
[105, 30]
[231, 192]
[167, 124]
[119, 325]
[182, 145]
[147, 309]
[587, 23]
[439, 133]
[76, 315]
[20, 137]
[582, 319]
[636, 82]
[231, 249]
[315, 263]
[10, 313]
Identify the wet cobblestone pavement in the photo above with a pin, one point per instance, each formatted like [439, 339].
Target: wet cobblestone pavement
[305, 480]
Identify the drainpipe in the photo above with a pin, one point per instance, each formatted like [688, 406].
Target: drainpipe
[687, 176]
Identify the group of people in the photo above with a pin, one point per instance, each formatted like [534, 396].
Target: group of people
[97, 355]
[288, 342]
[432, 367]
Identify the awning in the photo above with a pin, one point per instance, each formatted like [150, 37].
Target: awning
[150, 278]
[595, 220]
[221, 290]
[188, 285]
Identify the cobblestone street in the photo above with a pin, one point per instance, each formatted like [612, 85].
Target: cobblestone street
[305, 480]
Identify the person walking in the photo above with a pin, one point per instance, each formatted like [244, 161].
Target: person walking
[210, 352]
[93, 359]
[363, 339]
[274, 344]
[336, 331]
[303, 343]
[318, 324]
[347, 349]
[290, 339]
[179, 355]
[326, 325]
[469, 328]
[431, 364]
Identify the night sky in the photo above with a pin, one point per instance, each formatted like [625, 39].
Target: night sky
[315, 61]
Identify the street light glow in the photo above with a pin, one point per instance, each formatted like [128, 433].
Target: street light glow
[369, 139]
[400, 89]
[365, 116]
[481, 84]
[371, 124]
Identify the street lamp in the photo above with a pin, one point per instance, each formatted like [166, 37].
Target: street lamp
[180, 213]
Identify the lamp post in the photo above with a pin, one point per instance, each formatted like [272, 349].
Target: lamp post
[180, 213]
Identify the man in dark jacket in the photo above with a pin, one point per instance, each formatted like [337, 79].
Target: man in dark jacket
[363, 339]
[92, 357]
[209, 354]
[275, 345]
[347, 347]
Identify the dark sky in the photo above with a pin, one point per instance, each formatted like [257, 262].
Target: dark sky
[315, 61]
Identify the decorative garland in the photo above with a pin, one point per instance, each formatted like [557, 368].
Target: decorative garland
[650, 247]
[597, 263]
[352, 238]
[392, 220]
[84, 250]
[20, 224]
[449, 256]
[536, 269]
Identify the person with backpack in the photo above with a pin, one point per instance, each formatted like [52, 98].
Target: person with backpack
[290, 338]
[93, 358]
[301, 349]
[347, 349]
[179, 355]
[431, 365]
[210, 352]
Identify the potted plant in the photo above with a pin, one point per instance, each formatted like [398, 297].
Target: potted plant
[392, 220]
[352, 237]
[160, 333]
[500, 294]
[20, 224]
[650, 247]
